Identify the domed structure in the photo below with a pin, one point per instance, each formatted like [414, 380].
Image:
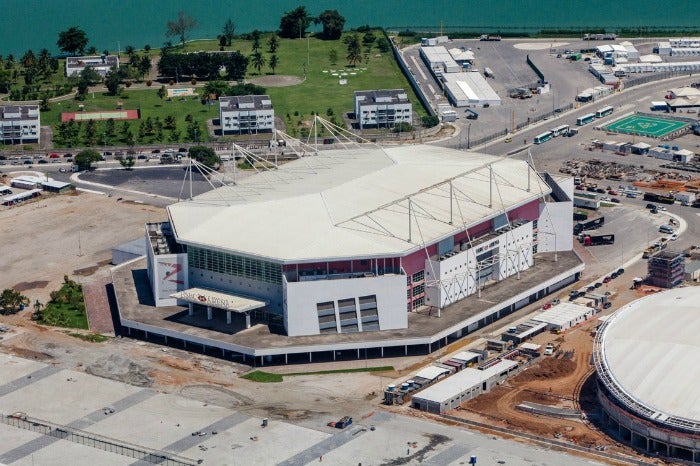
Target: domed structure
[646, 357]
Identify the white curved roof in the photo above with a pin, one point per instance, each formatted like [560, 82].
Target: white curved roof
[354, 202]
[651, 348]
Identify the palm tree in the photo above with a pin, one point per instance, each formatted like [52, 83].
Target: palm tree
[44, 62]
[273, 43]
[258, 61]
[274, 61]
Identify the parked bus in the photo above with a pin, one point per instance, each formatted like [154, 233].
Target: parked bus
[544, 137]
[560, 130]
[603, 112]
[585, 119]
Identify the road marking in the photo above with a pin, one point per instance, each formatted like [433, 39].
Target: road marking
[418, 67]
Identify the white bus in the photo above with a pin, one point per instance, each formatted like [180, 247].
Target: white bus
[560, 130]
[544, 137]
[585, 119]
[603, 112]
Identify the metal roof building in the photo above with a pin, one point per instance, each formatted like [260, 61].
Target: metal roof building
[469, 89]
[646, 357]
[462, 386]
[565, 315]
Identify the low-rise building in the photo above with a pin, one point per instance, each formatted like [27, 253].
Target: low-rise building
[382, 108]
[20, 124]
[100, 63]
[246, 114]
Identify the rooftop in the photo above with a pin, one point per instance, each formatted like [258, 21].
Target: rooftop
[651, 349]
[243, 102]
[461, 381]
[349, 203]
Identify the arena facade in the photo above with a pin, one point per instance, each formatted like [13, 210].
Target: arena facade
[345, 245]
[646, 357]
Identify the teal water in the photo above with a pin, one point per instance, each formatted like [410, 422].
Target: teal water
[35, 24]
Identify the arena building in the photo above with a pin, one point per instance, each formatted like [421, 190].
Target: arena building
[350, 248]
[646, 357]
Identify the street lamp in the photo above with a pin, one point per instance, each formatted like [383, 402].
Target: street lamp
[469, 130]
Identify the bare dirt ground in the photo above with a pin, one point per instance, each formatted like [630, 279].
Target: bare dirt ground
[65, 235]
[276, 80]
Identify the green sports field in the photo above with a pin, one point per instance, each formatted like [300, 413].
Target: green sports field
[646, 126]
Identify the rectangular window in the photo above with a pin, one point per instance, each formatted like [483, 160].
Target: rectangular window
[230, 264]
[418, 276]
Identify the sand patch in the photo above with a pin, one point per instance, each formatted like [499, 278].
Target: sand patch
[276, 80]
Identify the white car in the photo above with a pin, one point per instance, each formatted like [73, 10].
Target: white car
[674, 237]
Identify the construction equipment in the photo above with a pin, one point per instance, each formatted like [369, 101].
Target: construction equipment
[342, 423]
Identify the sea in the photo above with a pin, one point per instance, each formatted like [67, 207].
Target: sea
[35, 24]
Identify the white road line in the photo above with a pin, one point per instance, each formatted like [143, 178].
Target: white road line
[418, 67]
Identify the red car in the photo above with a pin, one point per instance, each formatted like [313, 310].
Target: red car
[547, 306]
[607, 279]
[54, 156]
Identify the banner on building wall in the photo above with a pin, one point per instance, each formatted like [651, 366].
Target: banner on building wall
[172, 274]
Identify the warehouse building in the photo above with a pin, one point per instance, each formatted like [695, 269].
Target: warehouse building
[646, 357]
[469, 89]
[20, 124]
[384, 108]
[565, 315]
[439, 60]
[462, 386]
[100, 63]
[246, 114]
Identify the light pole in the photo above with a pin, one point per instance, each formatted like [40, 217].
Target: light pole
[469, 130]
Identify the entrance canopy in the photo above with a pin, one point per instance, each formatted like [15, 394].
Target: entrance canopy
[218, 299]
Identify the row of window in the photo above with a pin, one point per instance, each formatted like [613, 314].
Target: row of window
[230, 264]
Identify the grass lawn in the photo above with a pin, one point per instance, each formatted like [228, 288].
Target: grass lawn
[150, 105]
[66, 308]
[91, 337]
[263, 377]
[266, 377]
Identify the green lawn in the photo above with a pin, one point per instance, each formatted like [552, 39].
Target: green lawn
[307, 59]
[66, 308]
[263, 377]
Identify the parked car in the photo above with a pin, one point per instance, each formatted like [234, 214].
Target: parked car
[182, 149]
[43, 161]
[67, 155]
[674, 237]
[54, 156]
[607, 305]
[607, 279]
[142, 157]
[615, 200]
[620, 271]
[155, 151]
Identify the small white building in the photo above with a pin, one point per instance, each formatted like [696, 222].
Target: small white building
[28, 182]
[100, 63]
[470, 89]
[383, 108]
[246, 114]
[565, 315]
[20, 124]
[439, 60]
[462, 386]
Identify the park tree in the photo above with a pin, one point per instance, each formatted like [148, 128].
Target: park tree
[354, 49]
[44, 62]
[162, 92]
[144, 65]
[333, 24]
[258, 61]
[274, 61]
[72, 41]
[112, 81]
[128, 162]
[295, 23]
[369, 38]
[85, 158]
[11, 301]
[180, 27]
[383, 45]
[255, 35]
[333, 56]
[205, 155]
[28, 59]
[228, 32]
[273, 43]
[169, 122]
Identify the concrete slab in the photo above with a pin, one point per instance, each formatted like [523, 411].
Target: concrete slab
[13, 438]
[15, 368]
[64, 452]
[161, 414]
[27, 378]
[80, 395]
[249, 443]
